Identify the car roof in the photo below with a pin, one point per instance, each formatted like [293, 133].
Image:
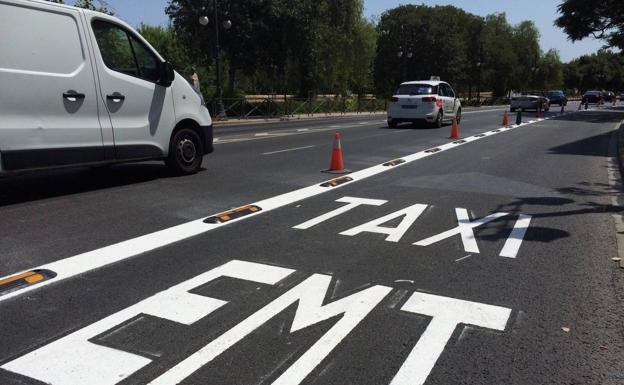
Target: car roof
[431, 82]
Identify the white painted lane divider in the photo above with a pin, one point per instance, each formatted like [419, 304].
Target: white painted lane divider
[77, 358]
[82, 263]
[287, 150]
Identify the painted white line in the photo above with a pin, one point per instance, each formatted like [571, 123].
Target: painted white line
[287, 150]
[481, 111]
[462, 258]
[262, 134]
[303, 129]
[363, 123]
[447, 313]
[512, 246]
[92, 260]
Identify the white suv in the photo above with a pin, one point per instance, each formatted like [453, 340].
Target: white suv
[430, 101]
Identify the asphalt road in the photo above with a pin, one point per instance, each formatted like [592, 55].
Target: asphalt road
[483, 262]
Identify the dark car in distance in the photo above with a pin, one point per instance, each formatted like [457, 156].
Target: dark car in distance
[557, 97]
[608, 96]
[592, 97]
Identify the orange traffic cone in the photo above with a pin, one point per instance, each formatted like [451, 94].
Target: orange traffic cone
[505, 119]
[336, 165]
[454, 129]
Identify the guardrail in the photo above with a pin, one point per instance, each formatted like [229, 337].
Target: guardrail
[280, 106]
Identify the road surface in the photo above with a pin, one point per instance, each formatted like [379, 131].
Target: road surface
[482, 261]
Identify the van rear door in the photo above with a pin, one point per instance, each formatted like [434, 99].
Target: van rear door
[48, 106]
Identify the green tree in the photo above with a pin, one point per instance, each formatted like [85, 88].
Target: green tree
[88, 4]
[600, 19]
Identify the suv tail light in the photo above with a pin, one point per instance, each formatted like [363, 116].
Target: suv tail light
[393, 99]
[429, 99]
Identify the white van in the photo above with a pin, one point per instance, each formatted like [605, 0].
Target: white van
[79, 87]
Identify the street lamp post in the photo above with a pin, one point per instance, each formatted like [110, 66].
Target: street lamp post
[203, 20]
[479, 83]
[406, 57]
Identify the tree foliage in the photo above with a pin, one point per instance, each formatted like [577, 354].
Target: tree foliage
[601, 19]
[603, 70]
[89, 4]
[283, 46]
[462, 48]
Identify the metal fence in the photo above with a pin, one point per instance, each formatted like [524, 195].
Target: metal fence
[280, 106]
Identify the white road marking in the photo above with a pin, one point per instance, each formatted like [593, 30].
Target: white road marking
[447, 313]
[310, 295]
[287, 150]
[512, 245]
[363, 123]
[262, 134]
[352, 203]
[395, 234]
[92, 260]
[303, 129]
[74, 360]
[464, 228]
[462, 258]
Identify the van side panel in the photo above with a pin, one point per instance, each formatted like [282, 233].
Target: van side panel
[44, 56]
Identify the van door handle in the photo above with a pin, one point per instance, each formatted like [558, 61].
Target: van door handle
[72, 95]
[116, 97]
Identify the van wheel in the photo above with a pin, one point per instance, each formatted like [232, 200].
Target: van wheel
[185, 152]
[392, 123]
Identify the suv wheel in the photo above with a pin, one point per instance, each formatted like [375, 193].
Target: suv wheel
[185, 152]
[438, 122]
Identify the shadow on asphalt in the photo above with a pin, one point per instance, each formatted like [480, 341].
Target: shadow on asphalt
[593, 146]
[36, 185]
[565, 207]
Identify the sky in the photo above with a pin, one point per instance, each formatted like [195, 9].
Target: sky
[542, 12]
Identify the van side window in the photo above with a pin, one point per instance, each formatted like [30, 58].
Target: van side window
[123, 53]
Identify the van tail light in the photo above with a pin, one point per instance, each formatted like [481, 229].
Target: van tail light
[393, 99]
[429, 99]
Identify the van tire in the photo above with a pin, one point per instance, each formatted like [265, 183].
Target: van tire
[185, 152]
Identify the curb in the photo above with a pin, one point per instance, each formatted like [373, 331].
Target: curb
[245, 122]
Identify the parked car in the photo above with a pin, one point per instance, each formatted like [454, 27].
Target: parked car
[608, 96]
[430, 101]
[529, 101]
[592, 97]
[557, 97]
[83, 88]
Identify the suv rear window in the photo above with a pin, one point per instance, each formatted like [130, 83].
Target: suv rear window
[416, 89]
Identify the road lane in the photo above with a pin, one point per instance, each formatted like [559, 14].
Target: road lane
[562, 277]
[55, 214]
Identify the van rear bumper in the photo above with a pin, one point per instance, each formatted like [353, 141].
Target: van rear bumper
[208, 139]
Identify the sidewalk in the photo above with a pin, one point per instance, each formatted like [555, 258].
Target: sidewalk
[298, 117]
[319, 116]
